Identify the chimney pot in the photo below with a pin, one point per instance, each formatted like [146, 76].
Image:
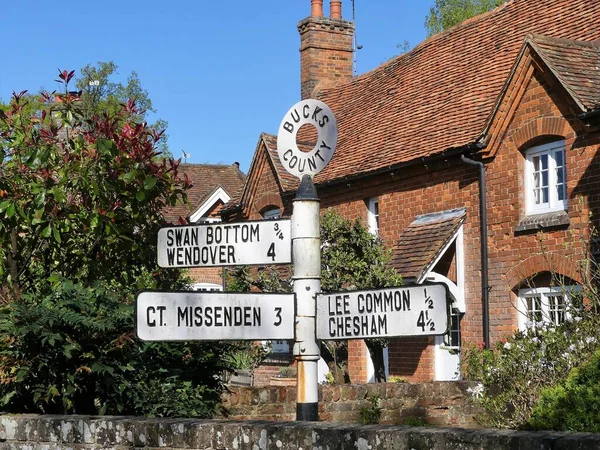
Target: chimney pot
[316, 8]
[335, 9]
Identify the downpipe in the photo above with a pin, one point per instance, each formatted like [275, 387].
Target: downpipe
[484, 250]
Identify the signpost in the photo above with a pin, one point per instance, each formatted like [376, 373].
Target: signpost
[400, 311]
[225, 244]
[176, 316]
[212, 316]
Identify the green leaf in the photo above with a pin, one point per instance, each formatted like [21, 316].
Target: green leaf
[140, 196]
[47, 231]
[94, 222]
[129, 176]
[5, 204]
[56, 234]
[10, 211]
[150, 182]
[6, 399]
[59, 195]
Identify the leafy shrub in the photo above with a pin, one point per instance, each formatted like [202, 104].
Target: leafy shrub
[246, 355]
[513, 374]
[74, 351]
[371, 414]
[573, 405]
[413, 421]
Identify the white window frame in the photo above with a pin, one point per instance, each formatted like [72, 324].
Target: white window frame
[373, 215]
[207, 287]
[273, 213]
[544, 293]
[553, 204]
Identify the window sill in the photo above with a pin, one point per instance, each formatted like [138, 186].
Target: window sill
[545, 220]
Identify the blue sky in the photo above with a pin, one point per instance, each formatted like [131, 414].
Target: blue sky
[220, 72]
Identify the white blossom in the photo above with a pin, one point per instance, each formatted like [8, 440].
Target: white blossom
[507, 345]
[476, 391]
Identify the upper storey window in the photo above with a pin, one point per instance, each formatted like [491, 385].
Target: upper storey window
[546, 180]
[373, 205]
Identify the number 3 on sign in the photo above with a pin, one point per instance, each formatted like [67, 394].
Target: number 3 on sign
[271, 251]
[278, 315]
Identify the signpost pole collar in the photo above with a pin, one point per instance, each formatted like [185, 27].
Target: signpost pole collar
[306, 190]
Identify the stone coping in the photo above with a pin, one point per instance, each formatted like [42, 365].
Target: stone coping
[95, 432]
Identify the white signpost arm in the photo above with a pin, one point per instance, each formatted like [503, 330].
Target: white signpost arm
[306, 253]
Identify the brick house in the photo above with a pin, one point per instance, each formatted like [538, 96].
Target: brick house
[474, 155]
[213, 185]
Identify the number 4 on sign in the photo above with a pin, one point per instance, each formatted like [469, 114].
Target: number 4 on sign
[271, 251]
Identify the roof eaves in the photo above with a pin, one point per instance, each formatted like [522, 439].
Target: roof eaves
[470, 148]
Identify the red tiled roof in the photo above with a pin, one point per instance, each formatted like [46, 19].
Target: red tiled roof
[287, 180]
[423, 240]
[205, 179]
[576, 64]
[439, 95]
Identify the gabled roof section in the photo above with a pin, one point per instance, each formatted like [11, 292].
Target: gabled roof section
[437, 97]
[576, 65]
[265, 153]
[206, 179]
[287, 181]
[424, 240]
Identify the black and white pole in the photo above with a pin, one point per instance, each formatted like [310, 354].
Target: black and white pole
[306, 242]
[306, 253]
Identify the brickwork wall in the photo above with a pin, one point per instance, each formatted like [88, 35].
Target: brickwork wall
[438, 403]
[542, 116]
[419, 190]
[85, 432]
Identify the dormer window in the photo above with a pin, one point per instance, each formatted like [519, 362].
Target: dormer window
[546, 180]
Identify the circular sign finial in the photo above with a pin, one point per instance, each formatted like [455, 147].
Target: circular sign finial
[294, 160]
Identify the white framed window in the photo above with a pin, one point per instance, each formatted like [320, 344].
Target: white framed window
[207, 287]
[272, 213]
[546, 178]
[544, 305]
[373, 207]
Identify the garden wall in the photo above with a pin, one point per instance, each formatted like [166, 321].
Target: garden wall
[437, 403]
[81, 432]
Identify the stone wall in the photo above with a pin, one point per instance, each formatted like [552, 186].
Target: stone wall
[81, 432]
[438, 403]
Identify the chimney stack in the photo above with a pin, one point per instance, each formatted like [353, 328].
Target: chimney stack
[316, 8]
[326, 48]
[335, 9]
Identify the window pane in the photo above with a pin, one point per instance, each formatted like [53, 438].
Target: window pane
[536, 163]
[545, 195]
[545, 178]
[558, 157]
[556, 308]
[561, 184]
[544, 160]
[534, 309]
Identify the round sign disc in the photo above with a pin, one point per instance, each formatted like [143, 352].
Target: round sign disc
[296, 161]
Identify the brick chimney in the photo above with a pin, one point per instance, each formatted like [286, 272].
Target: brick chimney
[325, 48]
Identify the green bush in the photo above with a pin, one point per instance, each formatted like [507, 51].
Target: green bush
[75, 351]
[371, 413]
[513, 374]
[573, 405]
